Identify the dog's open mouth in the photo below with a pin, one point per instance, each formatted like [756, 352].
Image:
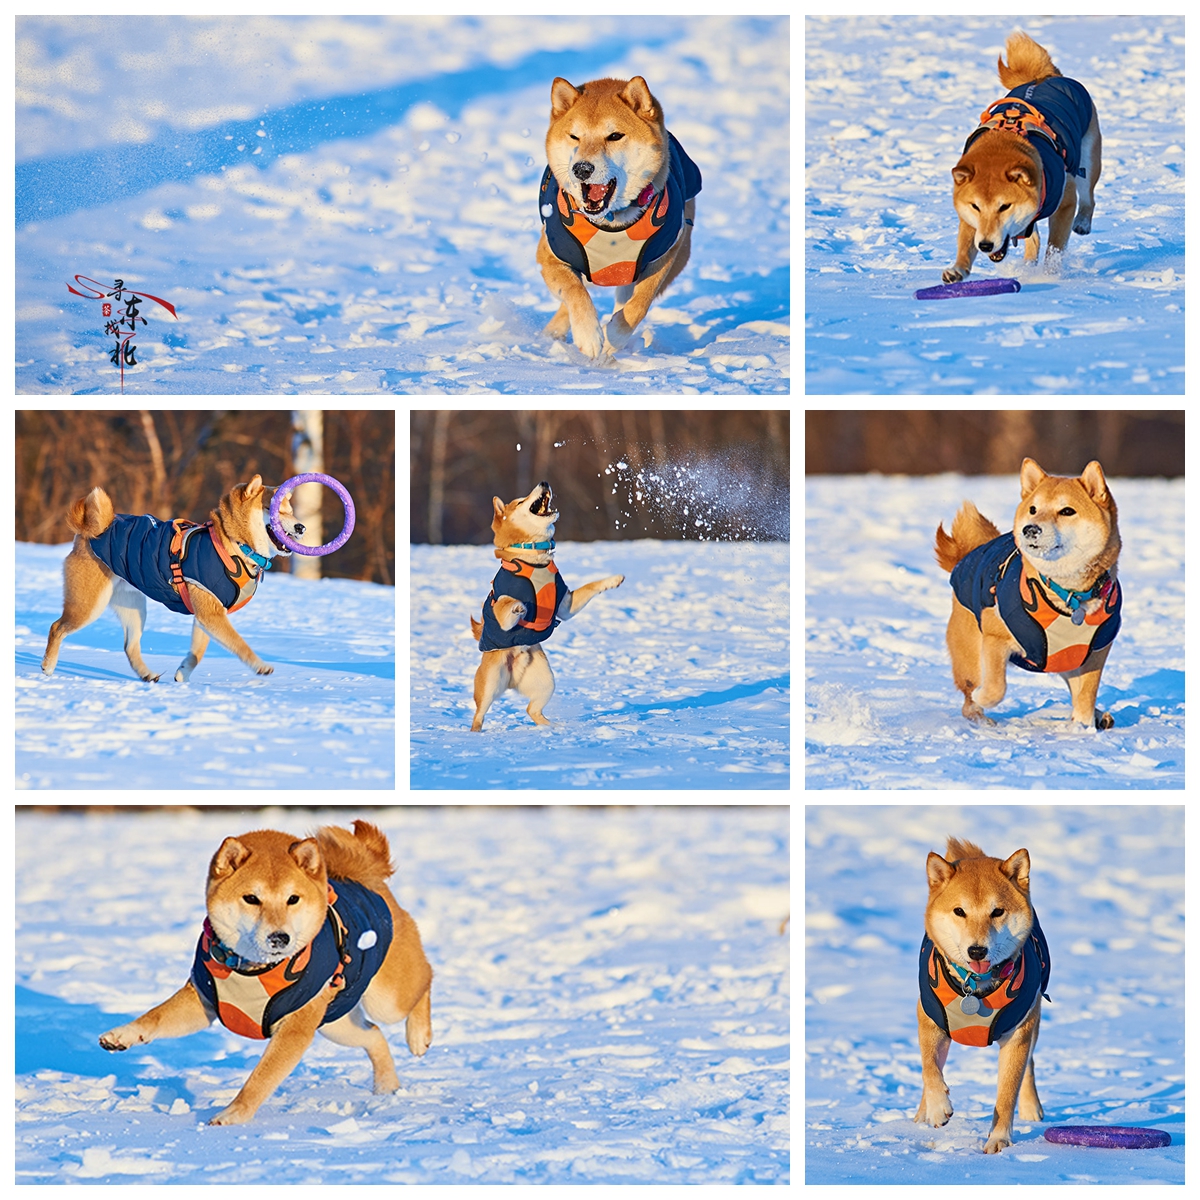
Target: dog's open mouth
[998, 255]
[277, 543]
[598, 196]
[542, 505]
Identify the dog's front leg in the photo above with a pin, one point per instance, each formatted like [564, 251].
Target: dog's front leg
[210, 612]
[568, 287]
[290, 1038]
[1084, 683]
[965, 256]
[625, 320]
[935, 1108]
[182, 1014]
[1016, 1050]
[572, 602]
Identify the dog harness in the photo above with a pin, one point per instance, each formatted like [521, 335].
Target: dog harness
[160, 558]
[1014, 985]
[995, 574]
[540, 589]
[618, 257]
[1052, 116]
[346, 955]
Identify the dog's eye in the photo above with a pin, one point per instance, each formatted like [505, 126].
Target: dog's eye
[958, 912]
[1066, 512]
[975, 207]
[572, 137]
[293, 899]
[1003, 207]
[997, 912]
[614, 137]
[251, 899]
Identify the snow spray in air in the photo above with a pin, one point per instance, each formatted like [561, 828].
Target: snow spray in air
[708, 499]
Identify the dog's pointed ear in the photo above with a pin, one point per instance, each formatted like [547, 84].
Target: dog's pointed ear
[636, 93]
[1016, 868]
[1020, 175]
[1094, 482]
[229, 856]
[938, 870]
[254, 486]
[307, 855]
[962, 174]
[1031, 476]
[562, 96]
[497, 507]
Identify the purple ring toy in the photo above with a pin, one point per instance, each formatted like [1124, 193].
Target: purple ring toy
[286, 489]
[968, 287]
[1115, 1137]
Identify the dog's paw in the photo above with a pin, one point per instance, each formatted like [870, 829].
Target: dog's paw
[151, 678]
[1083, 223]
[265, 669]
[934, 1110]
[954, 274]
[235, 1114]
[1104, 721]
[589, 338]
[613, 581]
[996, 1143]
[120, 1038]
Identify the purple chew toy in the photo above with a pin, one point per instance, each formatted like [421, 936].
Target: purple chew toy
[286, 489]
[1115, 1137]
[968, 287]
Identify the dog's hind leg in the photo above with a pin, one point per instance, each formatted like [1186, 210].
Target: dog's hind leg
[492, 676]
[355, 1030]
[194, 654]
[532, 677]
[130, 606]
[87, 589]
[1089, 157]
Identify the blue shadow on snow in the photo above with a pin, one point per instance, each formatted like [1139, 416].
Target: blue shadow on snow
[53, 187]
[706, 699]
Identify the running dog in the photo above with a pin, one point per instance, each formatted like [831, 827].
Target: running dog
[617, 203]
[207, 570]
[1044, 597]
[1035, 154]
[984, 967]
[302, 936]
[527, 601]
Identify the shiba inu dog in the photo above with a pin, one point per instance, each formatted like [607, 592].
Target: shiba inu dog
[1044, 597]
[208, 570]
[302, 936]
[617, 203]
[1035, 154]
[527, 601]
[984, 967]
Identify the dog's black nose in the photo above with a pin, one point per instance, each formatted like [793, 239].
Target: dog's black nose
[544, 484]
[977, 953]
[278, 940]
[986, 247]
[1031, 531]
[298, 528]
[582, 171]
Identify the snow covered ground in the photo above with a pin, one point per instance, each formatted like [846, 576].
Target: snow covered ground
[349, 205]
[889, 102]
[325, 719]
[1108, 887]
[610, 1005]
[680, 678]
[881, 710]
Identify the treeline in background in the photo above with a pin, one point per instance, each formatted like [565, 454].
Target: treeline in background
[1126, 443]
[178, 463]
[615, 475]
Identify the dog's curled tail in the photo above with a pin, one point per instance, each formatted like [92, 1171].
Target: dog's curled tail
[91, 515]
[363, 856]
[1027, 62]
[970, 529]
[476, 629]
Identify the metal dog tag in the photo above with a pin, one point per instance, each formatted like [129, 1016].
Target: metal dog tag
[970, 1005]
[1078, 616]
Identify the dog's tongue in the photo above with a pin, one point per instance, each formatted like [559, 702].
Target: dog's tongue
[982, 967]
[596, 191]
